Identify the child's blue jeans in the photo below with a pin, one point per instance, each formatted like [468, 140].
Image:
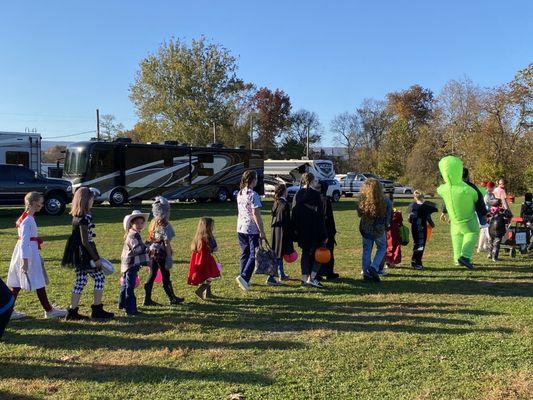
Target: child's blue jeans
[381, 244]
[127, 299]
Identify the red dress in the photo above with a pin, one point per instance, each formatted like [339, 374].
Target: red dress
[202, 266]
[394, 246]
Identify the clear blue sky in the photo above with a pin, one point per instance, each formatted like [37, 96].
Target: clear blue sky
[60, 60]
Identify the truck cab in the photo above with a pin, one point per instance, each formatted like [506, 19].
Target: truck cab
[352, 182]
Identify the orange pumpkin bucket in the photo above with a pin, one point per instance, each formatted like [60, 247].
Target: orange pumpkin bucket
[322, 255]
[429, 230]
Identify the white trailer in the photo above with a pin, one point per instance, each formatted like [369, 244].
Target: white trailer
[21, 148]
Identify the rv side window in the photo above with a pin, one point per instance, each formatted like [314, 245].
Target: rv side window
[148, 157]
[103, 162]
[18, 158]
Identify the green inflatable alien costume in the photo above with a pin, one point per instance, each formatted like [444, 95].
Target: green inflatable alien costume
[460, 200]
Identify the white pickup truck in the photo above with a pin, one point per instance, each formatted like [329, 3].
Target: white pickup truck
[352, 182]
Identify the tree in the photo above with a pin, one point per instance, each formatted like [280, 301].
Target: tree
[272, 112]
[53, 154]
[414, 105]
[109, 127]
[295, 137]
[344, 128]
[183, 89]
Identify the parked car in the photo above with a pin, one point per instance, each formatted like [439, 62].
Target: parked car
[334, 190]
[402, 189]
[17, 180]
[352, 183]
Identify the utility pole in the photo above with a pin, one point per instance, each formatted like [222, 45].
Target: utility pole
[307, 144]
[214, 133]
[251, 131]
[97, 124]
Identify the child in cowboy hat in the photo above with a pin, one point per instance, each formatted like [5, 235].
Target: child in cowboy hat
[134, 255]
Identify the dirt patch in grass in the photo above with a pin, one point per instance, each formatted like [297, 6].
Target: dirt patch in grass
[511, 386]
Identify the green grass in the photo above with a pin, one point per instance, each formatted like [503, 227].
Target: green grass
[441, 333]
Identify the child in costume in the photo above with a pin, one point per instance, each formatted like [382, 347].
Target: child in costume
[80, 253]
[281, 239]
[26, 270]
[160, 234]
[134, 255]
[328, 270]
[203, 267]
[393, 256]
[497, 228]
[460, 200]
[420, 216]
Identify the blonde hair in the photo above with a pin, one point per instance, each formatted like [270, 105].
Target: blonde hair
[32, 197]
[80, 202]
[154, 224]
[204, 232]
[372, 202]
[419, 196]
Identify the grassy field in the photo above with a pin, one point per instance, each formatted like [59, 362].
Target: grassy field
[441, 333]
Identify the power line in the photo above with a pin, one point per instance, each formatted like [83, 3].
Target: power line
[70, 135]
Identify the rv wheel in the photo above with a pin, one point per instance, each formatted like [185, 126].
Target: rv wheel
[117, 197]
[222, 195]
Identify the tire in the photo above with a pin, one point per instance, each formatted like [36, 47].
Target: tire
[336, 196]
[118, 197]
[222, 196]
[54, 204]
[408, 191]
[348, 194]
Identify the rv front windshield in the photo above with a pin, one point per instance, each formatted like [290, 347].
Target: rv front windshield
[75, 161]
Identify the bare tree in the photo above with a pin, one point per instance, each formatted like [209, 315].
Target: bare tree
[345, 128]
[109, 127]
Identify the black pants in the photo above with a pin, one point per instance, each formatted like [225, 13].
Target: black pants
[8, 302]
[153, 273]
[308, 263]
[418, 253]
[327, 269]
[495, 242]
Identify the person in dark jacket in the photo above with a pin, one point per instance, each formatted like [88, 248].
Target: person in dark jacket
[497, 228]
[309, 229]
[419, 217]
[327, 270]
[7, 302]
[281, 228]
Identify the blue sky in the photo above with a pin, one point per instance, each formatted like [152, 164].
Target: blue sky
[60, 60]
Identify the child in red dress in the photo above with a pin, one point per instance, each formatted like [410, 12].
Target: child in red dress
[203, 267]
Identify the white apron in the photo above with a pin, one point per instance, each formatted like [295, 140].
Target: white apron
[36, 277]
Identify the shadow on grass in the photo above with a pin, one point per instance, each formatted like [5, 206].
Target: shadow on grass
[29, 369]
[12, 396]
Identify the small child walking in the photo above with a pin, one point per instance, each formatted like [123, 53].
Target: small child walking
[393, 256]
[80, 253]
[26, 270]
[500, 217]
[420, 216]
[160, 234]
[203, 266]
[281, 230]
[134, 255]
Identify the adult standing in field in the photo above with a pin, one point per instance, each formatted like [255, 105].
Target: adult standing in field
[501, 193]
[309, 228]
[249, 226]
[460, 200]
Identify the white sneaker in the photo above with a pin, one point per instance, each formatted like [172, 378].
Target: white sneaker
[17, 315]
[55, 313]
[242, 283]
[315, 283]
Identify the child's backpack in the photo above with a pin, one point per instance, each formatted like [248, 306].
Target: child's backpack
[404, 235]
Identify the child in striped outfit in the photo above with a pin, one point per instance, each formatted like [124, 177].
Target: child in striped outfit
[134, 255]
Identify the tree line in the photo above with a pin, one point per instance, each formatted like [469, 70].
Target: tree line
[191, 93]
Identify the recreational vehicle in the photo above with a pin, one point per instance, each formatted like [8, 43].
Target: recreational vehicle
[21, 148]
[130, 172]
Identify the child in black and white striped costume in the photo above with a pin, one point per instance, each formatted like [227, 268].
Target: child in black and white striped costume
[80, 253]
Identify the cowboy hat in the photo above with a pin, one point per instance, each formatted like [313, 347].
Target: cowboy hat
[134, 214]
